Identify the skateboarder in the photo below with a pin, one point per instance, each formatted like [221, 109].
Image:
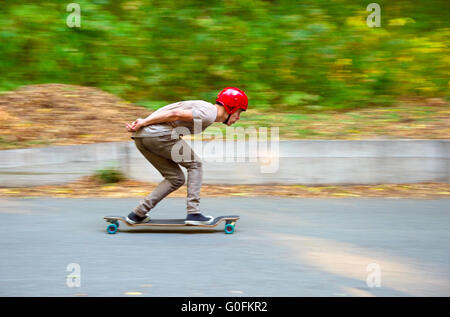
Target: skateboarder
[154, 138]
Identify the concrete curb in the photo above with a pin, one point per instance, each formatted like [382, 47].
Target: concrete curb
[285, 162]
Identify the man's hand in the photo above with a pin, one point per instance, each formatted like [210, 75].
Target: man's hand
[136, 125]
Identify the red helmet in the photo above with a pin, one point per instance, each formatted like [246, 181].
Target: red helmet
[232, 99]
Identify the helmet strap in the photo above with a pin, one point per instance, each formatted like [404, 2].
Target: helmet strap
[225, 122]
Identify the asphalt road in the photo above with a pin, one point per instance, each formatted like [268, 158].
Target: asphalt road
[281, 247]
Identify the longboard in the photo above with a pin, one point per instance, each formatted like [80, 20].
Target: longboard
[113, 226]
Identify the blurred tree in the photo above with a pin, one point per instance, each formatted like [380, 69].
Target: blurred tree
[309, 55]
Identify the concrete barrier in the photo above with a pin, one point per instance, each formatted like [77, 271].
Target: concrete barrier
[288, 162]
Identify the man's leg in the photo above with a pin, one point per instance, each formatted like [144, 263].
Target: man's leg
[193, 164]
[194, 184]
[173, 175]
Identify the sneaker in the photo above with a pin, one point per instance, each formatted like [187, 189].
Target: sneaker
[133, 218]
[198, 219]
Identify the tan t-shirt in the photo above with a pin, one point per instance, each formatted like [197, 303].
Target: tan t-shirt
[204, 114]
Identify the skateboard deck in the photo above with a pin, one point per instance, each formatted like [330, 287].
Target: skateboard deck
[113, 226]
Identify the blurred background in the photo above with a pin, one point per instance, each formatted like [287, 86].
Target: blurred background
[313, 55]
[315, 69]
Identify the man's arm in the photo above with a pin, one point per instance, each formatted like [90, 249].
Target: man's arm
[161, 117]
[168, 116]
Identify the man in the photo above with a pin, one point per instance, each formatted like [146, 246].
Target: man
[154, 138]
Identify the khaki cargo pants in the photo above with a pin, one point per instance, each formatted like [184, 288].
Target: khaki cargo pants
[159, 151]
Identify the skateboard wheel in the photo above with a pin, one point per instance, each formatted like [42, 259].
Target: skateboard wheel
[112, 228]
[229, 229]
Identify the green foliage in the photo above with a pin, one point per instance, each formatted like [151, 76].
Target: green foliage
[312, 55]
[109, 175]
